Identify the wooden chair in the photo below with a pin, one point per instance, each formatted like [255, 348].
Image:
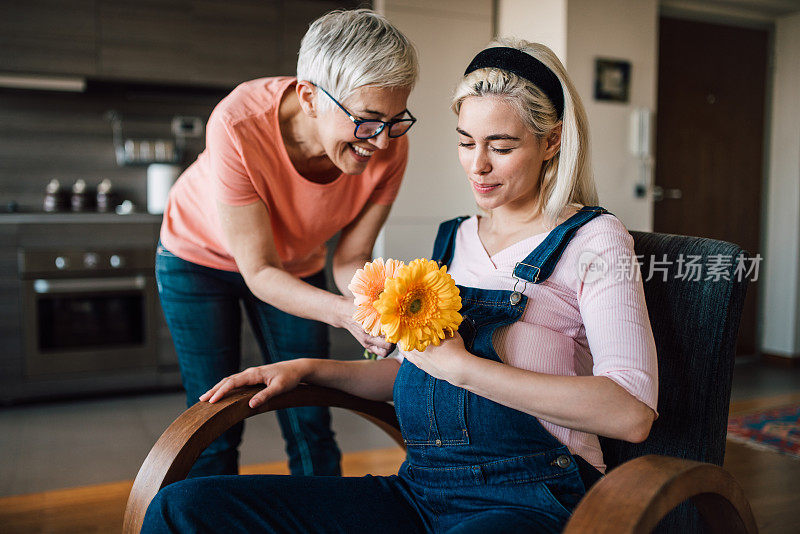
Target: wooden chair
[672, 482]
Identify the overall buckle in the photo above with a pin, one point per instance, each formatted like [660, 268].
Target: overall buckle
[516, 296]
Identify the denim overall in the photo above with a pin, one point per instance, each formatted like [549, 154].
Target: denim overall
[472, 466]
[467, 454]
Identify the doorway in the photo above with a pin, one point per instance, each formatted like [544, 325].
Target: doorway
[710, 139]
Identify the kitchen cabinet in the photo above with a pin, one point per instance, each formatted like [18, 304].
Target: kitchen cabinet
[146, 40]
[208, 42]
[189, 42]
[11, 352]
[48, 37]
[237, 40]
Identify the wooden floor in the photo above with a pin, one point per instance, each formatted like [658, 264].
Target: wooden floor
[99, 509]
[770, 480]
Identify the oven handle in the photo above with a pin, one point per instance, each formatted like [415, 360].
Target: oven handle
[90, 284]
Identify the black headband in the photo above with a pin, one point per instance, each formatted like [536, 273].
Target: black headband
[525, 66]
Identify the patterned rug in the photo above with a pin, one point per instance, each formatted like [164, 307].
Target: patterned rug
[775, 429]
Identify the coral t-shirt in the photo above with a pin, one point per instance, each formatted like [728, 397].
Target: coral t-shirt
[245, 161]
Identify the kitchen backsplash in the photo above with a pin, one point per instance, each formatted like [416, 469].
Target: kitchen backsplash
[68, 136]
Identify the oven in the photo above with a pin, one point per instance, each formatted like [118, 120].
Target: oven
[88, 310]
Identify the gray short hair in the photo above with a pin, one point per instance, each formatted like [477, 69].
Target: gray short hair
[567, 177]
[347, 49]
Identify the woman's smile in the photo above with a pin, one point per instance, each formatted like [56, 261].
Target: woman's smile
[483, 188]
[360, 153]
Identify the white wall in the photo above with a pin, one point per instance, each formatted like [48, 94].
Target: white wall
[781, 265]
[583, 30]
[447, 34]
[544, 21]
[617, 29]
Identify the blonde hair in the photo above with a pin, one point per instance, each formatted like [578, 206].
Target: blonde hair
[567, 177]
[347, 49]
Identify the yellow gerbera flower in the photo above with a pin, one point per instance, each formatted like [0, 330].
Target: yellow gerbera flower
[419, 305]
[366, 285]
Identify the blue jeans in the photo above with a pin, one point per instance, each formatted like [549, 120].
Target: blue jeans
[202, 307]
[282, 504]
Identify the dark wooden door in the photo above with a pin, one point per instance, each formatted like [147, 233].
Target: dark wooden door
[710, 137]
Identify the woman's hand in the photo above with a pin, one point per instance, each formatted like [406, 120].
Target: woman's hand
[445, 362]
[278, 377]
[375, 344]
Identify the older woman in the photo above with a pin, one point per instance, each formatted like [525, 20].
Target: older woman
[501, 421]
[289, 162]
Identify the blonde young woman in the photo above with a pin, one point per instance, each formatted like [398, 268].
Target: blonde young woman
[500, 421]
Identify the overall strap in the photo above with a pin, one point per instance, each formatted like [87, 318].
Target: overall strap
[445, 242]
[539, 264]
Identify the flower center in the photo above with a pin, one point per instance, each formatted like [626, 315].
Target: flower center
[416, 308]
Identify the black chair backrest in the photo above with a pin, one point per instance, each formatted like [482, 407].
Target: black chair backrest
[695, 320]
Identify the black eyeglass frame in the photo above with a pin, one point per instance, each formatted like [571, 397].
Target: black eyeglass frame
[384, 124]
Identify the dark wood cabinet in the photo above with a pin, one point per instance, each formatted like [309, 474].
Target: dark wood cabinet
[208, 42]
[48, 37]
[201, 42]
[147, 40]
[237, 40]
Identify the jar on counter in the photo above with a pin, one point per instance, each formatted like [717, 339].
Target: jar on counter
[106, 198]
[79, 201]
[55, 198]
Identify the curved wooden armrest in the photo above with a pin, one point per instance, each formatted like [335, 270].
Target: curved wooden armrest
[635, 496]
[177, 449]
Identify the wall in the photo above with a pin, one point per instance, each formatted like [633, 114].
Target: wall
[447, 35]
[781, 265]
[617, 29]
[543, 22]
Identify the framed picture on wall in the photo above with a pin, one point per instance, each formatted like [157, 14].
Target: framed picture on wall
[612, 79]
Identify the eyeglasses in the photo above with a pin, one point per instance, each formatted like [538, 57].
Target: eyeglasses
[367, 129]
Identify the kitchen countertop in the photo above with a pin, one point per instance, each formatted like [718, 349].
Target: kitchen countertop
[82, 218]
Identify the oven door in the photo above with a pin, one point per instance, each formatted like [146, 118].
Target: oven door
[89, 325]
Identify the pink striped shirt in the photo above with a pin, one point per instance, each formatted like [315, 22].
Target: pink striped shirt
[588, 318]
